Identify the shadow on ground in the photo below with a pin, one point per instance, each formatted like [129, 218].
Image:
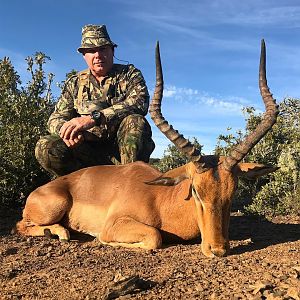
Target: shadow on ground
[261, 232]
[8, 219]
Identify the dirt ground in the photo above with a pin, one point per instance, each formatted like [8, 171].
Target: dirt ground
[264, 264]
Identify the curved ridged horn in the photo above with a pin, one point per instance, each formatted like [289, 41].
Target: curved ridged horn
[173, 135]
[268, 119]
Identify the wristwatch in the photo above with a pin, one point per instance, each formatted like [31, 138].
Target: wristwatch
[98, 117]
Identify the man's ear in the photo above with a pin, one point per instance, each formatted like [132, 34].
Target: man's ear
[254, 170]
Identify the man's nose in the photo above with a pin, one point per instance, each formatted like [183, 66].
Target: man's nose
[99, 54]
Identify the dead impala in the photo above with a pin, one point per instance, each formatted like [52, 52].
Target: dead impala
[135, 205]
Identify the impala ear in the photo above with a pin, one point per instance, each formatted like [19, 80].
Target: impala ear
[253, 170]
[167, 181]
[171, 177]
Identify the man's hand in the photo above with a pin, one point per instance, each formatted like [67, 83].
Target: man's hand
[71, 131]
[72, 143]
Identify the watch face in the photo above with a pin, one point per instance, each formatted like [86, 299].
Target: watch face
[96, 115]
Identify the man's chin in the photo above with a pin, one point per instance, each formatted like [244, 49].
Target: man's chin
[100, 71]
[99, 68]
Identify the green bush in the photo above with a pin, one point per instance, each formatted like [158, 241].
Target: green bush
[282, 194]
[276, 193]
[24, 111]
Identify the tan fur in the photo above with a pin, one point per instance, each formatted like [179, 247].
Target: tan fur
[115, 204]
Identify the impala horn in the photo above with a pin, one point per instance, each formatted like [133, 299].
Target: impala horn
[268, 119]
[173, 135]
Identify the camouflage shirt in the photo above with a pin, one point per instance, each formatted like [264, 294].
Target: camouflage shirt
[121, 93]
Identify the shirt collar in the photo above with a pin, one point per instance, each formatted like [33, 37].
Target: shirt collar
[110, 74]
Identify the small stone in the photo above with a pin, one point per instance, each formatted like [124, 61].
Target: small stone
[271, 296]
[296, 272]
[199, 287]
[260, 286]
[294, 293]
[11, 251]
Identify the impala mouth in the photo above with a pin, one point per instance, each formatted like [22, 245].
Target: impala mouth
[215, 250]
[220, 252]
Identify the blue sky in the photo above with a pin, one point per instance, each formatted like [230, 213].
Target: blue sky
[209, 48]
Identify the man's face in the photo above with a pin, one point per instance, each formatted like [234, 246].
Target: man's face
[99, 60]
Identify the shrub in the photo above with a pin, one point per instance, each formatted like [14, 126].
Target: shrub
[282, 194]
[24, 111]
[276, 193]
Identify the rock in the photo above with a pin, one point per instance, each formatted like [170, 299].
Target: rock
[10, 251]
[260, 286]
[130, 285]
[294, 293]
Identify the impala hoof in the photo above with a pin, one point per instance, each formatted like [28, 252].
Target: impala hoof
[64, 240]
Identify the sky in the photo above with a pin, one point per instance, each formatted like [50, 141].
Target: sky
[209, 49]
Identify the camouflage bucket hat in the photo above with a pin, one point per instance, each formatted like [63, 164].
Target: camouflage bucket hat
[95, 36]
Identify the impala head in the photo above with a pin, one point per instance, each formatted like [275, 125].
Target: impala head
[213, 179]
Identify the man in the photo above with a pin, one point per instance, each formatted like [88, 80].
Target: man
[100, 115]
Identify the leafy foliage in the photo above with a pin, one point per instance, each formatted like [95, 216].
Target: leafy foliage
[277, 193]
[24, 111]
[281, 195]
[68, 75]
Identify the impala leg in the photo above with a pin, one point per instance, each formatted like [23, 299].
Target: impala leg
[44, 210]
[38, 230]
[127, 232]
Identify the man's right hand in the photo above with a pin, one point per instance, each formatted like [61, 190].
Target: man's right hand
[72, 132]
[72, 143]
[72, 128]
[82, 136]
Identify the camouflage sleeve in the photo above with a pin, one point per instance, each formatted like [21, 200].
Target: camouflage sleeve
[64, 108]
[136, 100]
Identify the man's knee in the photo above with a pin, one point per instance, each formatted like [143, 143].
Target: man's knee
[43, 145]
[136, 125]
[51, 152]
[135, 139]
[54, 155]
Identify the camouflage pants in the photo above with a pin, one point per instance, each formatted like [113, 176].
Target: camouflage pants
[131, 141]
